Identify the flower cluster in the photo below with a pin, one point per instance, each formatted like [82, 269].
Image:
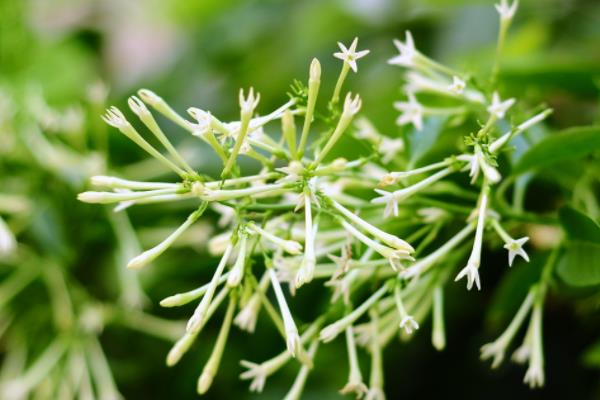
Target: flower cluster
[303, 217]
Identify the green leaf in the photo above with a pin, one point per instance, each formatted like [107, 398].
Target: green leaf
[580, 265]
[579, 226]
[565, 145]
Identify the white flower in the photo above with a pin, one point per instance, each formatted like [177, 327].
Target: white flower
[412, 112]
[407, 50]
[498, 107]
[257, 372]
[351, 105]
[457, 86]
[409, 324]
[390, 201]
[350, 55]
[515, 248]
[355, 386]
[375, 394]
[389, 148]
[506, 12]
[248, 103]
[471, 271]
[246, 319]
[478, 162]
[115, 118]
[494, 350]
[534, 376]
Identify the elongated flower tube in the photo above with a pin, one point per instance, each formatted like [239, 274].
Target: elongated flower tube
[438, 333]
[118, 183]
[407, 322]
[331, 331]
[504, 139]
[140, 109]
[376, 379]
[314, 82]
[212, 366]
[290, 246]
[307, 267]
[355, 380]
[115, 197]
[391, 240]
[201, 311]
[246, 318]
[471, 271]
[294, 346]
[185, 342]
[115, 118]
[391, 199]
[534, 376]
[181, 299]
[150, 255]
[160, 105]
[497, 348]
[247, 107]
[351, 108]
[394, 256]
[224, 195]
[295, 391]
[237, 272]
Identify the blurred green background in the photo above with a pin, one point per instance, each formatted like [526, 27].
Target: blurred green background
[199, 53]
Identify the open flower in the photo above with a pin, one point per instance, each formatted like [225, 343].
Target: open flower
[515, 248]
[498, 108]
[412, 112]
[506, 12]
[350, 55]
[407, 50]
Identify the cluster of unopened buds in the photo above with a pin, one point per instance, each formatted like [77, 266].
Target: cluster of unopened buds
[303, 217]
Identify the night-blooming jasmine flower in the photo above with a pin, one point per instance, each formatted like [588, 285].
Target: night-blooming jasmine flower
[535, 372]
[294, 346]
[307, 267]
[412, 112]
[289, 246]
[498, 108]
[355, 381]
[497, 348]
[471, 271]
[515, 248]
[331, 331]
[407, 50]
[407, 322]
[237, 271]
[457, 86]
[391, 199]
[506, 12]
[350, 55]
[478, 162]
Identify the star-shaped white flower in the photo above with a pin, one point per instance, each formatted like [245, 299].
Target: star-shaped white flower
[515, 248]
[390, 201]
[407, 50]
[507, 12]
[350, 55]
[499, 107]
[389, 148]
[412, 112]
[471, 271]
[457, 86]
